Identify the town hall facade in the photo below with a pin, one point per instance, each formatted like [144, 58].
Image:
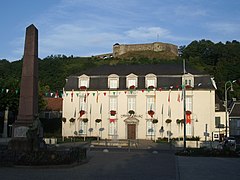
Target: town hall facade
[138, 102]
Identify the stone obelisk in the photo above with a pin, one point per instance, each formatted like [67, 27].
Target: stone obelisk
[28, 102]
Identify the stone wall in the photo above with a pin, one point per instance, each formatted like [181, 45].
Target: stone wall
[119, 50]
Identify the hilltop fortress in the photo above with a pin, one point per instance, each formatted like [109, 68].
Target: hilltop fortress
[119, 50]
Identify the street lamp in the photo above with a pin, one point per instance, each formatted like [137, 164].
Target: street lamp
[226, 104]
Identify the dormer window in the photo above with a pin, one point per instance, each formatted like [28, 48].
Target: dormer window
[188, 80]
[83, 82]
[150, 81]
[113, 81]
[131, 81]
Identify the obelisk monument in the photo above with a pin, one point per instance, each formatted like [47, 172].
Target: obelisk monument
[28, 102]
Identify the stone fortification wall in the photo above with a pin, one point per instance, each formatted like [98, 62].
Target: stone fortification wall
[119, 50]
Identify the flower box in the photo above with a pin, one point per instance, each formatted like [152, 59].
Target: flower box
[98, 120]
[154, 121]
[151, 113]
[178, 121]
[151, 87]
[72, 120]
[168, 121]
[85, 120]
[131, 112]
[81, 112]
[83, 87]
[64, 119]
[132, 87]
[113, 113]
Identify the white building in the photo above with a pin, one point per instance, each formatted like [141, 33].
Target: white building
[130, 99]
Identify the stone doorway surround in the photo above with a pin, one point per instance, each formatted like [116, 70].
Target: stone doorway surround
[131, 128]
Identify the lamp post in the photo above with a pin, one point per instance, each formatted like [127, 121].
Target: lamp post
[226, 104]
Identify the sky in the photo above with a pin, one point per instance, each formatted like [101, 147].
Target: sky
[91, 27]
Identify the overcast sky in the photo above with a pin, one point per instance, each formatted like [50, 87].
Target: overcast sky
[91, 27]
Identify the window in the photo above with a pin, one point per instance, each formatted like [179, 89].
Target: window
[131, 81]
[83, 81]
[238, 123]
[112, 127]
[189, 103]
[83, 103]
[113, 103]
[188, 80]
[83, 128]
[113, 84]
[113, 81]
[150, 128]
[131, 103]
[150, 103]
[150, 80]
[47, 115]
[217, 122]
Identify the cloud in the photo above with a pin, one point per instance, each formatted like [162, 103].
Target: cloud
[75, 39]
[147, 32]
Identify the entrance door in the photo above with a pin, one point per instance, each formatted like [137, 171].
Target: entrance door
[131, 131]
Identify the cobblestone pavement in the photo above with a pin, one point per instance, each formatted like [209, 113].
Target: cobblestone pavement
[104, 165]
[209, 168]
[147, 161]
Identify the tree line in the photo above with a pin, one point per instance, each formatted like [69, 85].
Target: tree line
[221, 60]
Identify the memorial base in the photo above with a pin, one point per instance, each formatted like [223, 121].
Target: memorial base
[20, 144]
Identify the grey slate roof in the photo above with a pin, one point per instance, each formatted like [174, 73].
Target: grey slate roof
[235, 110]
[167, 75]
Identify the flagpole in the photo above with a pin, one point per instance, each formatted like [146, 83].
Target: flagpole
[90, 119]
[184, 109]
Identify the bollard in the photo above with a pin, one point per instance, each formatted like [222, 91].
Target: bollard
[106, 142]
[128, 145]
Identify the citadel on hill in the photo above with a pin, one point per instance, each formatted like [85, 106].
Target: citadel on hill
[156, 49]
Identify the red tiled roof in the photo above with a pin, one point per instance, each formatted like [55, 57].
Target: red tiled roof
[54, 104]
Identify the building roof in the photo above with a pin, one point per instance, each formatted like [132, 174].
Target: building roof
[54, 104]
[235, 109]
[218, 104]
[167, 75]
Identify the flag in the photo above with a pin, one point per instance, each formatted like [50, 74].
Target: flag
[155, 96]
[72, 96]
[56, 94]
[101, 109]
[85, 97]
[188, 118]
[169, 111]
[97, 97]
[74, 115]
[112, 120]
[169, 95]
[182, 93]
[178, 98]
[90, 111]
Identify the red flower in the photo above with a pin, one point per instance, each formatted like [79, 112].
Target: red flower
[150, 87]
[132, 87]
[151, 113]
[83, 87]
[112, 112]
[82, 112]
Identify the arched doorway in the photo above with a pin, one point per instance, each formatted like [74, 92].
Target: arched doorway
[131, 127]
